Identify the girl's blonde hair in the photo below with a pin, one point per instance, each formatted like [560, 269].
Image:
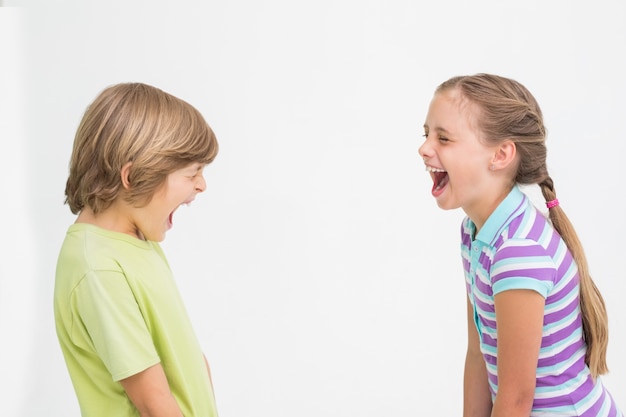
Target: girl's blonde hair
[139, 124]
[508, 111]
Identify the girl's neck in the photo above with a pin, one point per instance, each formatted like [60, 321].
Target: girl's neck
[480, 215]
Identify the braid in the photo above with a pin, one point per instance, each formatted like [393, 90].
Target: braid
[547, 188]
[593, 309]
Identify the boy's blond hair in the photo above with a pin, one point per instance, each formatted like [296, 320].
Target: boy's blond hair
[139, 124]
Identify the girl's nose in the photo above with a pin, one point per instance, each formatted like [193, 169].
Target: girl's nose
[425, 151]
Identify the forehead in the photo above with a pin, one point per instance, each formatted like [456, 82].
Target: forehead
[191, 167]
[450, 110]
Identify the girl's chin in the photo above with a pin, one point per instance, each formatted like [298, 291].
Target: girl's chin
[445, 204]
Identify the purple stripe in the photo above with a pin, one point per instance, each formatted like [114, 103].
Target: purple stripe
[566, 263]
[539, 274]
[565, 332]
[596, 407]
[536, 229]
[572, 398]
[489, 341]
[554, 243]
[490, 324]
[559, 315]
[561, 356]
[519, 252]
[466, 264]
[483, 288]
[572, 285]
[488, 308]
[613, 408]
[571, 372]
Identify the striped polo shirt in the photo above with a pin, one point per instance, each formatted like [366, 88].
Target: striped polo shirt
[517, 248]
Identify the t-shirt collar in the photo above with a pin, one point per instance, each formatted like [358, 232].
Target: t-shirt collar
[506, 211]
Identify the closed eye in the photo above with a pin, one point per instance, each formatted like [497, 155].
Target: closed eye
[440, 138]
[197, 171]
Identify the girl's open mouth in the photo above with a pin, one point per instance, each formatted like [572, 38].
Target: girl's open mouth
[440, 179]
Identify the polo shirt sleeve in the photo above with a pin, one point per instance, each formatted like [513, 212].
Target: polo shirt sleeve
[108, 321]
[523, 264]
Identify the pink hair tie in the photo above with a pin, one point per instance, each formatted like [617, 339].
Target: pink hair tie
[552, 203]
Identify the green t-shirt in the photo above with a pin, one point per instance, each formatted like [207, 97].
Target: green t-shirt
[117, 312]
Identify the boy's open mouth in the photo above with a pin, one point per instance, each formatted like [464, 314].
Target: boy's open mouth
[170, 219]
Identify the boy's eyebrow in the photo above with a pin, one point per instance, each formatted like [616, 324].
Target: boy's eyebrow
[194, 167]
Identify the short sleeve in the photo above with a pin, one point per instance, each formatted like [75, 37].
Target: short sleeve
[109, 321]
[523, 264]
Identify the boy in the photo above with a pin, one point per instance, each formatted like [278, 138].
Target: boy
[129, 347]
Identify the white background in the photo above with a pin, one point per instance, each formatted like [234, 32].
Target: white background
[319, 273]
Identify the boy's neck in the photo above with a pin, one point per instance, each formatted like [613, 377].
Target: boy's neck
[110, 219]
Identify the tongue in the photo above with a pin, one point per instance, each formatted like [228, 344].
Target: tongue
[441, 180]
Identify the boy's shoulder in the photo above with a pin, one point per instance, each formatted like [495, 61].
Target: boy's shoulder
[96, 248]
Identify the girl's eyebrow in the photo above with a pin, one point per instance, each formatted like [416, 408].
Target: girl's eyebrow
[437, 129]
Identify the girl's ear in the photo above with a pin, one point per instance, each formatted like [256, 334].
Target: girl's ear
[504, 155]
[125, 174]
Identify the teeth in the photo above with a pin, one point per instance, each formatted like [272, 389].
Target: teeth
[433, 169]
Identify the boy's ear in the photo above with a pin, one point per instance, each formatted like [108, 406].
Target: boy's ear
[125, 174]
[504, 155]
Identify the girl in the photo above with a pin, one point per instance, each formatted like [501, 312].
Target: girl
[537, 325]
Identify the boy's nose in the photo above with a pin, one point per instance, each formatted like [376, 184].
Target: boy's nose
[201, 184]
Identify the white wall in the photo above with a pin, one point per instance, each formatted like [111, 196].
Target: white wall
[321, 277]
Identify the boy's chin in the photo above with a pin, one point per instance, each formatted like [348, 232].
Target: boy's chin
[155, 237]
